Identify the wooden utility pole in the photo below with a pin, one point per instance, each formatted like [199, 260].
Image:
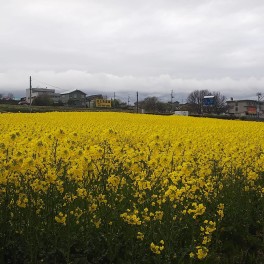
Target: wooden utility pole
[137, 102]
[30, 93]
[260, 97]
[172, 100]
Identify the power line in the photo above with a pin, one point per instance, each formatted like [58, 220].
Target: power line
[50, 85]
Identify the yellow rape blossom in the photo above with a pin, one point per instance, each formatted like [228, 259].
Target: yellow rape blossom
[157, 249]
[140, 236]
[61, 218]
[202, 252]
[22, 200]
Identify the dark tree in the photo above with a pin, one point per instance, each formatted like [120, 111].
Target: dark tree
[220, 105]
[116, 103]
[172, 106]
[195, 102]
[42, 100]
[152, 105]
[161, 107]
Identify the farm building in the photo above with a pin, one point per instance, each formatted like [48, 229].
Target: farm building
[245, 107]
[74, 98]
[35, 92]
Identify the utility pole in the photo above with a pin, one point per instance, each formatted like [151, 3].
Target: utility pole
[30, 93]
[128, 100]
[260, 97]
[114, 100]
[137, 102]
[171, 99]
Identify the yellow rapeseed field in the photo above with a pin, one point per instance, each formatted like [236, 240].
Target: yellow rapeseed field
[116, 187]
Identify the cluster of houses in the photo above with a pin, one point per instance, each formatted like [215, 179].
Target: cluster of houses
[235, 108]
[74, 98]
[78, 98]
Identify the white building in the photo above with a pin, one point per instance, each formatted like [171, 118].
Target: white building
[245, 107]
[35, 92]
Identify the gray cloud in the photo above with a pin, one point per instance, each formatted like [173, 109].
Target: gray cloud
[151, 46]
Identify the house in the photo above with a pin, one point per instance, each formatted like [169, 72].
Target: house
[74, 98]
[35, 92]
[245, 107]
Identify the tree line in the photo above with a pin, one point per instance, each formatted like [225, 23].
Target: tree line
[194, 104]
[195, 100]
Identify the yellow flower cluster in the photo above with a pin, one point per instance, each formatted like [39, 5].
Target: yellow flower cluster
[131, 217]
[61, 218]
[156, 249]
[201, 252]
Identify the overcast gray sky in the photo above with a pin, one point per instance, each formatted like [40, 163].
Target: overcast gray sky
[123, 46]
